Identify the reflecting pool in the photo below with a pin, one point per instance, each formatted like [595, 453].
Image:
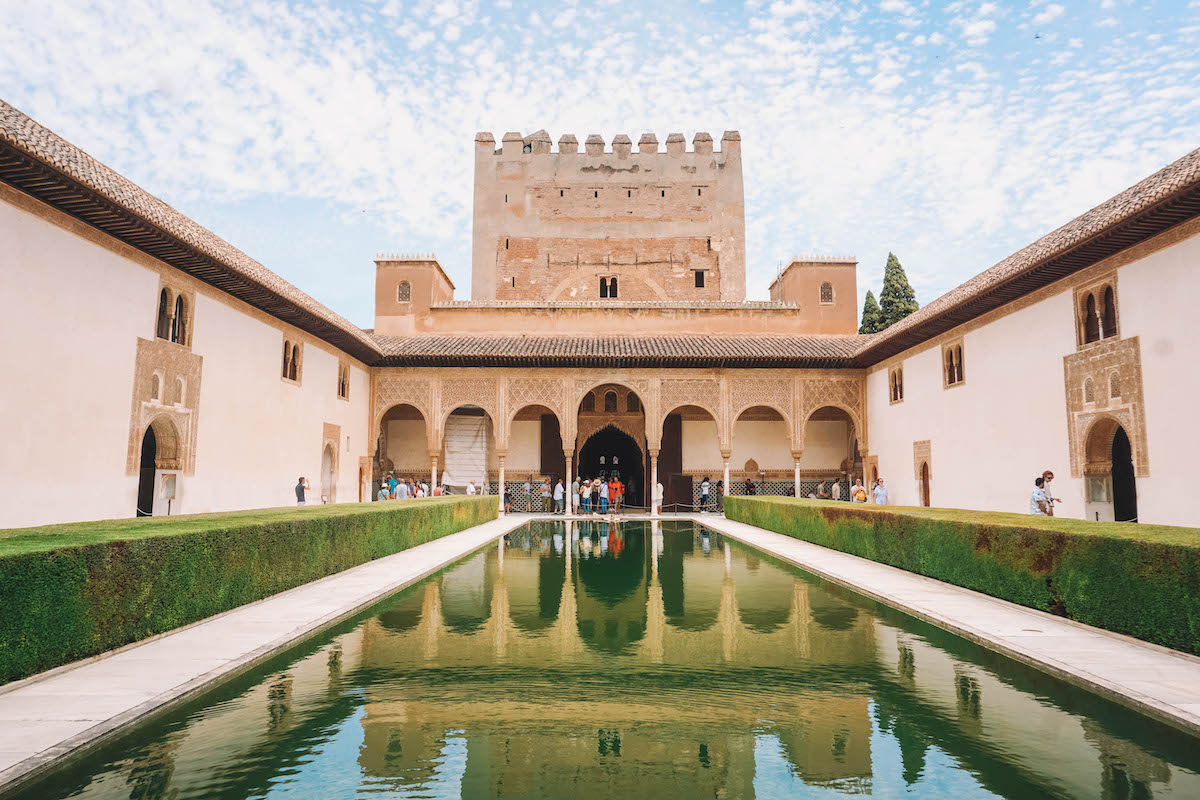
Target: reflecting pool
[624, 660]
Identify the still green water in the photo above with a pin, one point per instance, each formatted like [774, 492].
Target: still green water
[628, 661]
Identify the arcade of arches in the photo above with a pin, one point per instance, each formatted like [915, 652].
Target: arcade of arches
[778, 431]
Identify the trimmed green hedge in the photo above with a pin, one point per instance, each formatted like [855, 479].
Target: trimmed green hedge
[72, 591]
[1141, 580]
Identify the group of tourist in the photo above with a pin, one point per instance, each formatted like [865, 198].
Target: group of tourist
[393, 488]
[598, 495]
[858, 492]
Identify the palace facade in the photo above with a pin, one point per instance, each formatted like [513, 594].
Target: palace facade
[154, 368]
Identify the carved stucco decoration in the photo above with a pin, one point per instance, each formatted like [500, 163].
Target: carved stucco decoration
[922, 454]
[392, 390]
[480, 392]
[1098, 363]
[173, 418]
[702, 392]
[847, 392]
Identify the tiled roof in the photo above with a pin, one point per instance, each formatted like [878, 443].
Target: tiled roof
[616, 350]
[745, 305]
[28, 137]
[1147, 208]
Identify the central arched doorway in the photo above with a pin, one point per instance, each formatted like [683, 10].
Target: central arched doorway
[612, 452]
[328, 481]
[925, 483]
[145, 495]
[1124, 488]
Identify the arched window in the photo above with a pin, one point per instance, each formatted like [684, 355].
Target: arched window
[1110, 312]
[294, 370]
[180, 391]
[826, 292]
[287, 358]
[155, 387]
[1089, 391]
[1091, 322]
[632, 404]
[404, 292]
[1114, 385]
[343, 382]
[897, 384]
[163, 328]
[177, 323]
[610, 401]
[958, 364]
[604, 288]
[589, 402]
[612, 287]
[950, 366]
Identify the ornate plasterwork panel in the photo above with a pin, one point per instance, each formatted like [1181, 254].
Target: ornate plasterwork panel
[480, 392]
[1107, 365]
[331, 437]
[546, 392]
[391, 390]
[776, 393]
[632, 424]
[922, 454]
[847, 392]
[702, 392]
[172, 408]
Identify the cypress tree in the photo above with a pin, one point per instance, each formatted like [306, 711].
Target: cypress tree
[897, 300]
[872, 316]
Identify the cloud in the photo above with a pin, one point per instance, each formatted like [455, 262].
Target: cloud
[1049, 14]
[953, 147]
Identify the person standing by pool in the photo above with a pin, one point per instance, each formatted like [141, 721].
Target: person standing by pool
[604, 497]
[595, 495]
[301, 486]
[858, 493]
[836, 492]
[585, 496]
[383, 490]
[881, 495]
[471, 487]
[704, 487]
[558, 497]
[659, 493]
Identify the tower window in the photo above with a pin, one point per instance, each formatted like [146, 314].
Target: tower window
[827, 292]
[595, 193]
[612, 287]
[699, 279]
[404, 292]
[697, 193]
[514, 281]
[560, 192]
[896, 381]
[629, 192]
[506, 198]
[663, 192]
[506, 244]
[527, 148]
[604, 288]
[163, 326]
[610, 401]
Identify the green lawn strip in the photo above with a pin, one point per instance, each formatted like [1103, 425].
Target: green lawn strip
[1142, 580]
[72, 591]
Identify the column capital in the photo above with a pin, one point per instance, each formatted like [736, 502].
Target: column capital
[652, 451]
[725, 454]
[796, 454]
[501, 453]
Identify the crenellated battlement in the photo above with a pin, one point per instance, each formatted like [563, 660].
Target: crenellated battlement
[400, 257]
[514, 143]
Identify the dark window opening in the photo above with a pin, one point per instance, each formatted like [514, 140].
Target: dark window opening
[527, 148]
[178, 333]
[163, 330]
[958, 365]
[697, 193]
[589, 402]
[709, 242]
[560, 192]
[632, 404]
[699, 279]
[1110, 313]
[1091, 322]
[604, 288]
[595, 194]
[514, 281]
[506, 198]
[610, 402]
[506, 244]
[612, 287]
[664, 192]
[629, 192]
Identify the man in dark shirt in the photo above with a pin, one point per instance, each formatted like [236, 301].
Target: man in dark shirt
[301, 485]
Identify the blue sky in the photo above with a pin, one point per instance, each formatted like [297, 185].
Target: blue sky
[313, 136]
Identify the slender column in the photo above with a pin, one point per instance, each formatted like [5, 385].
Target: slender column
[725, 483]
[796, 460]
[433, 481]
[654, 482]
[570, 506]
[500, 456]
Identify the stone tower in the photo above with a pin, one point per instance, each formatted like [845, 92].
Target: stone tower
[572, 226]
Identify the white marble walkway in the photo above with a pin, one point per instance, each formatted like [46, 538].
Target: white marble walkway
[1159, 682]
[47, 716]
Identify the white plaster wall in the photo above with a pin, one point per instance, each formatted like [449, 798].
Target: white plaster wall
[407, 444]
[66, 416]
[70, 315]
[1156, 302]
[524, 445]
[701, 448]
[991, 436]
[257, 433]
[768, 442]
[826, 444]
